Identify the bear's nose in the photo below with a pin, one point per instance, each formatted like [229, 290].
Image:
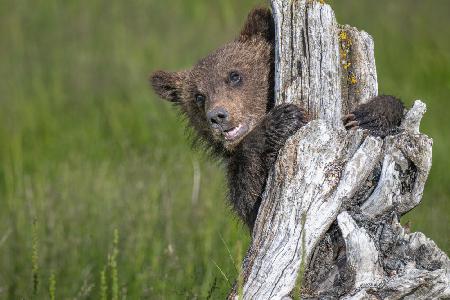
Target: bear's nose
[217, 116]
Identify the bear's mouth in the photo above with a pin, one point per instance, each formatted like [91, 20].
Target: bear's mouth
[234, 133]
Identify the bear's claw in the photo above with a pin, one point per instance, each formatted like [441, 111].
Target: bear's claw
[352, 125]
[347, 118]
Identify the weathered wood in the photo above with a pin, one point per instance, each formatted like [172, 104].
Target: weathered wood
[333, 200]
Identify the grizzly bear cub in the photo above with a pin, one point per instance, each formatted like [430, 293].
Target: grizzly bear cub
[228, 99]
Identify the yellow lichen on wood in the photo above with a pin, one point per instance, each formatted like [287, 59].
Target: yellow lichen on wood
[352, 79]
[342, 35]
[320, 1]
[345, 43]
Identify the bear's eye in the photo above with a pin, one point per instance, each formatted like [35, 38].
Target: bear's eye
[199, 98]
[235, 78]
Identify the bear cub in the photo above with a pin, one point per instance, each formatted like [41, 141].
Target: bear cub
[228, 99]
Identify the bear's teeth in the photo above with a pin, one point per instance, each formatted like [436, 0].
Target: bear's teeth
[232, 133]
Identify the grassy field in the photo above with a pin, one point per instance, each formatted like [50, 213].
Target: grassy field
[97, 179]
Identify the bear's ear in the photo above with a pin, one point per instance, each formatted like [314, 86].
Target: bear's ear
[168, 85]
[259, 22]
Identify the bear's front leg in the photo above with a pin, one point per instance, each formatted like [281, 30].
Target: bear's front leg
[249, 166]
[381, 116]
[281, 122]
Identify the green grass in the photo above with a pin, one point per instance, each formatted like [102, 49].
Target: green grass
[96, 173]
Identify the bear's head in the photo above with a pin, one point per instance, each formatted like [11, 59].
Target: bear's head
[227, 93]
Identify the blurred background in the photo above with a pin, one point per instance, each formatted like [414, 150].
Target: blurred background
[101, 195]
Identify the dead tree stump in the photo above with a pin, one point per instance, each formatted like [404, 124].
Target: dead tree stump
[329, 219]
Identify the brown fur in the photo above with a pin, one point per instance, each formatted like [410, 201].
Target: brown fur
[252, 56]
[228, 99]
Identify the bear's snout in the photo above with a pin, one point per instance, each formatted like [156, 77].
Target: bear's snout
[218, 117]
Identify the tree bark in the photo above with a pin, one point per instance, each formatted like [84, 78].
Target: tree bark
[328, 226]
